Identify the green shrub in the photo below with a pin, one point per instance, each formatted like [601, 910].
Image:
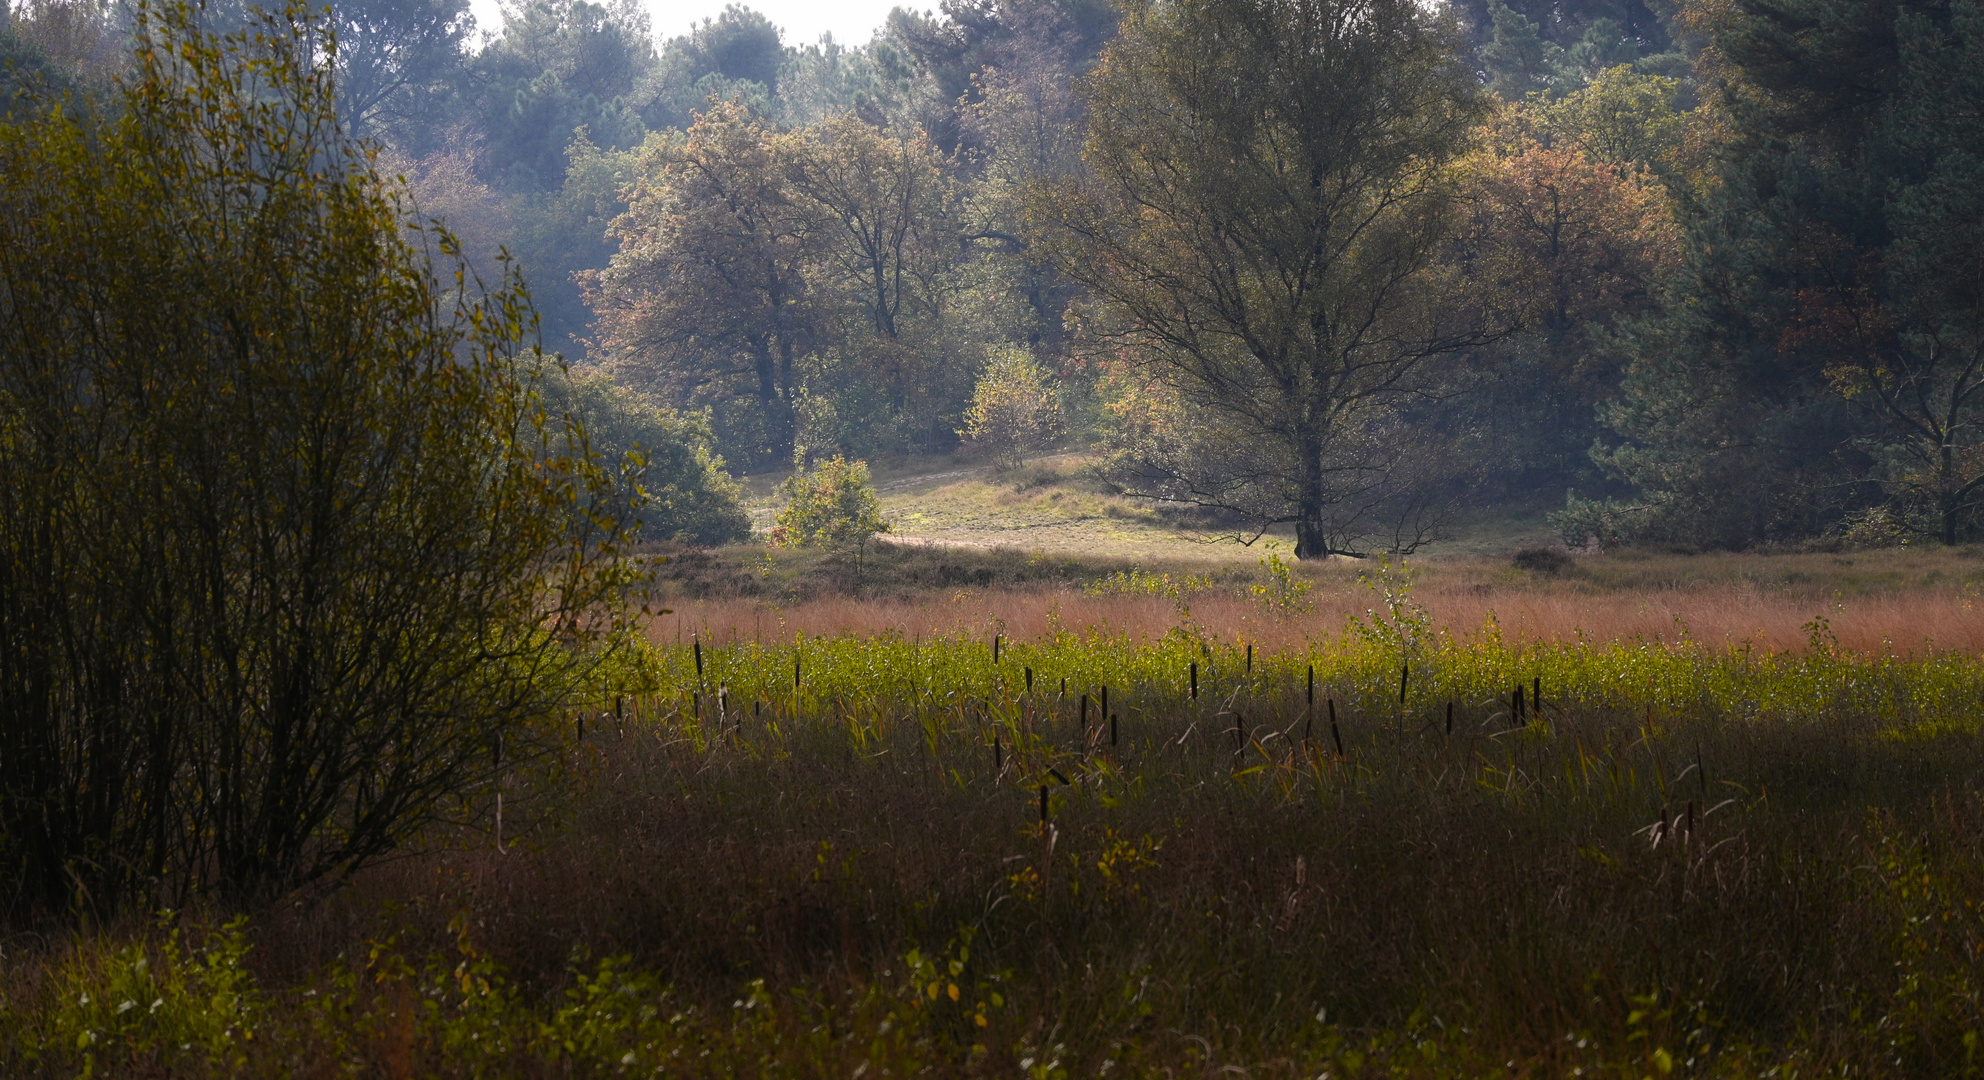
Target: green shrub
[675, 488]
[831, 505]
[292, 561]
[1014, 410]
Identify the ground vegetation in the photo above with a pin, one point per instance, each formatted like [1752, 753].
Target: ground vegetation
[1517, 859]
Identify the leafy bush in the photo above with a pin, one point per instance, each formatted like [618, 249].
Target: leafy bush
[1283, 593]
[1541, 560]
[674, 487]
[291, 559]
[1136, 581]
[150, 1008]
[1014, 410]
[831, 505]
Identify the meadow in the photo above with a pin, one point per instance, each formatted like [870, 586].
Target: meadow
[1641, 816]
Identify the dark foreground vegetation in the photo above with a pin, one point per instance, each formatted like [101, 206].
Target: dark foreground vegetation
[1666, 860]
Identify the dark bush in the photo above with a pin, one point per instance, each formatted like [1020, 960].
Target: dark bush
[292, 561]
[1542, 560]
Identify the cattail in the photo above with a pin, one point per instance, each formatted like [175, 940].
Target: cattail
[998, 755]
[1536, 697]
[581, 718]
[618, 701]
[1515, 708]
[1250, 658]
[1043, 804]
[1029, 680]
[795, 671]
[1195, 680]
[1105, 699]
[1335, 735]
[1404, 671]
[995, 648]
[1112, 729]
[697, 644]
[1309, 710]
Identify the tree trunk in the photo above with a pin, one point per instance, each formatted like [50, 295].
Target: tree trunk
[778, 408]
[1311, 541]
[1952, 495]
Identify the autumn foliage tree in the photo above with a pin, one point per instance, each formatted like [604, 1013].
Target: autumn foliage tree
[710, 289]
[1014, 409]
[1563, 246]
[760, 267]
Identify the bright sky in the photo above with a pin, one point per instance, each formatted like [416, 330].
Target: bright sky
[852, 22]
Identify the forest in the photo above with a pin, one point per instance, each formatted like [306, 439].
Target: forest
[1483, 571]
[1712, 269]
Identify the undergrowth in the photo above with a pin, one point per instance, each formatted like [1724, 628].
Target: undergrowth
[1397, 852]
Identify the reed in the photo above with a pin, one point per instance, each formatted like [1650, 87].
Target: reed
[1742, 857]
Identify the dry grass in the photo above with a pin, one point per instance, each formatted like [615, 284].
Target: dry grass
[1730, 613]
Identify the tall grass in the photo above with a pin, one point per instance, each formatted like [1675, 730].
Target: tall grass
[1916, 620]
[1693, 859]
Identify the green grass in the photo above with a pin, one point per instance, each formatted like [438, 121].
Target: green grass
[746, 873]
[1050, 507]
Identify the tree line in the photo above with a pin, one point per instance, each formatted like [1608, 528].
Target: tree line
[1335, 265]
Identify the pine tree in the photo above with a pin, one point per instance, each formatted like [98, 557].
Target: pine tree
[1823, 351]
[1519, 59]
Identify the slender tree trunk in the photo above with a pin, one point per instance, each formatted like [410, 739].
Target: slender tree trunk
[1311, 541]
[1952, 498]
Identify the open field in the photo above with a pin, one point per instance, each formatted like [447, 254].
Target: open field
[1047, 508]
[826, 857]
[1900, 600]
[1053, 508]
